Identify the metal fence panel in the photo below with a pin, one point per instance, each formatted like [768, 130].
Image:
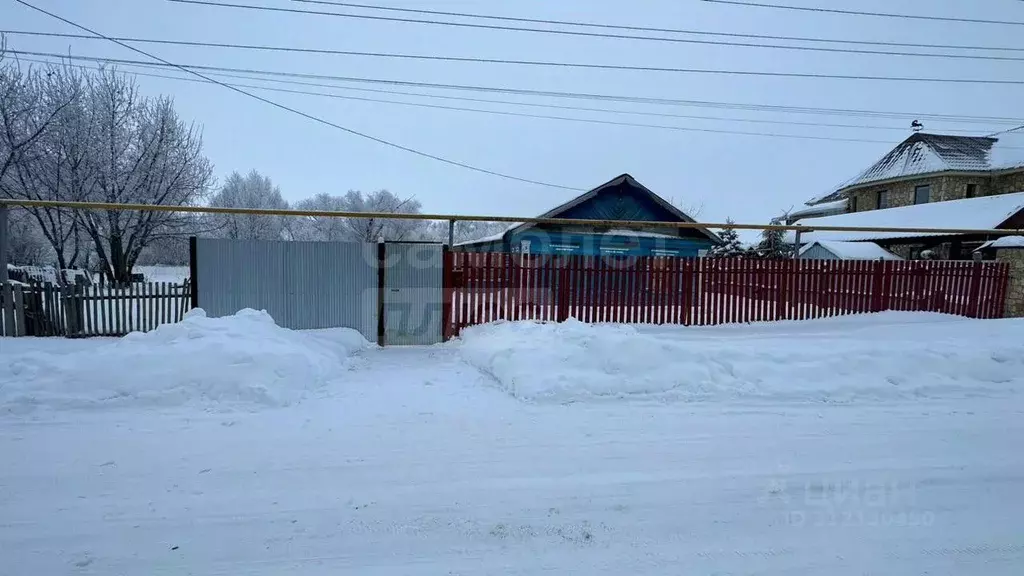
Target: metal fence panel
[332, 284]
[413, 297]
[301, 285]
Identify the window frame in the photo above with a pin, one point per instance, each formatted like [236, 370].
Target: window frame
[917, 190]
[853, 203]
[879, 203]
[971, 191]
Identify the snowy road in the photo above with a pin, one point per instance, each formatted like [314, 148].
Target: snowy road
[419, 464]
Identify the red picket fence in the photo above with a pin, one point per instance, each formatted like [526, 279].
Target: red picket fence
[481, 288]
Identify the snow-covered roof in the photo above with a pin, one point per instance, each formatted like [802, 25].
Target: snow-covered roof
[614, 232]
[853, 250]
[987, 212]
[1004, 242]
[822, 209]
[639, 233]
[617, 181]
[633, 183]
[923, 153]
[491, 238]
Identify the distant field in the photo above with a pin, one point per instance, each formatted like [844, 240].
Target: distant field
[163, 273]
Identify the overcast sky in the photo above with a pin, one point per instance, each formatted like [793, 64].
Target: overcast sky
[748, 178]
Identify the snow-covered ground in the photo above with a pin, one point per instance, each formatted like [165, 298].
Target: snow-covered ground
[217, 362]
[915, 355]
[415, 461]
[161, 273]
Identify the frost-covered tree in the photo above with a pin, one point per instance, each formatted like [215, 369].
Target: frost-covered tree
[36, 104]
[731, 247]
[376, 229]
[26, 244]
[26, 111]
[143, 153]
[250, 191]
[437, 231]
[335, 229]
[99, 141]
[773, 245]
[59, 165]
[322, 228]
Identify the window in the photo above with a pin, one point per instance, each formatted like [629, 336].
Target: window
[853, 203]
[922, 194]
[972, 191]
[883, 199]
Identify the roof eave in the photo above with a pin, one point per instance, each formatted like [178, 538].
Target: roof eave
[851, 188]
[553, 213]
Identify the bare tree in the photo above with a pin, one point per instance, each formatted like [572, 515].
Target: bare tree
[34, 102]
[323, 228]
[90, 136]
[250, 191]
[143, 154]
[376, 229]
[57, 166]
[24, 116]
[27, 244]
[464, 231]
[359, 229]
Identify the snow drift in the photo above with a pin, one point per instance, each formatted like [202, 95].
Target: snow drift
[245, 358]
[874, 357]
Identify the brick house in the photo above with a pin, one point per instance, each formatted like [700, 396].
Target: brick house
[926, 169]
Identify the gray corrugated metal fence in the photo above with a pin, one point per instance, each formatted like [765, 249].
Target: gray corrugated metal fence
[300, 284]
[412, 293]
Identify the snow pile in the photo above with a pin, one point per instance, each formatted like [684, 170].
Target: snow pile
[244, 358]
[873, 357]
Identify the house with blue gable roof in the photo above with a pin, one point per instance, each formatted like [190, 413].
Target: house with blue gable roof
[622, 198]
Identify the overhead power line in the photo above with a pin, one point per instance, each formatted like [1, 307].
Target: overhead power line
[299, 112]
[530, 104]
[75, 205]
[861, 13]
[326, 51]
[550, 94]
[605, 26]
[1010, 130]
[576, 33]
[528, 115]
[712, 72]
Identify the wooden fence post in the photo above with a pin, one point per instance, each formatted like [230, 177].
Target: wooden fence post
[563, 291]
[787, 271]
[71, 312]
[19, 311]
[7, 302]
[877, 277]
[974, 292]
[920, 298]
[688, 292]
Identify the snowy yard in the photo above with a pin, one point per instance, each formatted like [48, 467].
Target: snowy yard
[876, 444]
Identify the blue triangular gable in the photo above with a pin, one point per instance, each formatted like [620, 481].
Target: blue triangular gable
[624, 199]
[623, 202]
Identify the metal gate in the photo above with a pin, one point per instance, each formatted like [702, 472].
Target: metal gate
[413, 296]
[301, 285]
